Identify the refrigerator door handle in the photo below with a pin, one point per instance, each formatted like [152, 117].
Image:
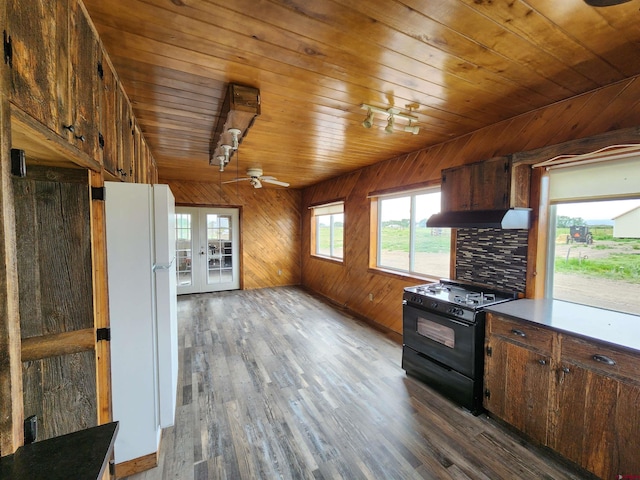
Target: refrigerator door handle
[163, 266]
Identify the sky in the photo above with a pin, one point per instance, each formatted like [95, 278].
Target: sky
[597, 210]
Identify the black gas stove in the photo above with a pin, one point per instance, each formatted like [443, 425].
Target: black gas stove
[443, 336]
[458, 299]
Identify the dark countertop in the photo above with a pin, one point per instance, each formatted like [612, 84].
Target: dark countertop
[619, 329]
[81, 455]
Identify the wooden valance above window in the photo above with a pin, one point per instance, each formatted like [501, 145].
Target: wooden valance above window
[612, 172]
[612, 152]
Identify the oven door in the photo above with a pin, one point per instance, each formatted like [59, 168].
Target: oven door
[451, 342]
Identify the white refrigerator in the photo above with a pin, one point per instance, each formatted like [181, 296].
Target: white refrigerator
[140, 222]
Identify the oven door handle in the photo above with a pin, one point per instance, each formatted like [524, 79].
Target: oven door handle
[440, 320]
[462, 324]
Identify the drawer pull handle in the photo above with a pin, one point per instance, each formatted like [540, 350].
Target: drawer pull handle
[519, 333]
[604, 359]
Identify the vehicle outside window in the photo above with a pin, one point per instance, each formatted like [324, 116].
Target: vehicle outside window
[595, 247]
[594, 239]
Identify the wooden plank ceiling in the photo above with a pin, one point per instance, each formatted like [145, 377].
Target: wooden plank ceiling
[466, 64]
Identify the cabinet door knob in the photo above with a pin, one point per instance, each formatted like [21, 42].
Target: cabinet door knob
[566, 370]
[604, 359]
[542, 362]
[517, 332]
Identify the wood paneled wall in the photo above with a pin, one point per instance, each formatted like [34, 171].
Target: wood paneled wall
[269, 227]
[610, 108]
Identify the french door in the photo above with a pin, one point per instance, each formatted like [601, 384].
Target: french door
[207, 249]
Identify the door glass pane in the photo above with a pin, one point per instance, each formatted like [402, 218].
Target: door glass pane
[183, 249]
[219, 255]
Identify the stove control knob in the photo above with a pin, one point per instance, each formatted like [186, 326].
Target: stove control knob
[434, 305]
[456, 311]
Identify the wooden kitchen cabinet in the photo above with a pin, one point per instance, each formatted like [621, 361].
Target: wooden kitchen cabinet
[53, 68]
[518, 376]
[600, 401]
[57, 331]
[137, 153]
[82, 120]
[126, 138]
[576, 396]
[455, 189]
[489, 185]
[37, 33]
[108, 131]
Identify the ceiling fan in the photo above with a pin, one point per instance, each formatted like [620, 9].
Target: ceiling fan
[604, 3]
[254, 175]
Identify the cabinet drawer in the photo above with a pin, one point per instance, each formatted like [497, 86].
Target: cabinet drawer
[595, 356]
[524, 333]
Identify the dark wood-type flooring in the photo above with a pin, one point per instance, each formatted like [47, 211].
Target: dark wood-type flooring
[276, 383]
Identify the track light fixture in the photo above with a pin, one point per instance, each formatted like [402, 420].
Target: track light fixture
[412, 128]
[368, 122]
[221, 162]
[390, 122]
[235, 133]
[239, 110]
[392, 114]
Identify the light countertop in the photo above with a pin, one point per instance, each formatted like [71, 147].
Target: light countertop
[616, 328]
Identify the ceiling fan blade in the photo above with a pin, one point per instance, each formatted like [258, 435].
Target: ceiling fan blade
[604, 3]
[274, 181]
[237, 180]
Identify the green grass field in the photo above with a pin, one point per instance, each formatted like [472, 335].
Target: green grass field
[617, 266]
[397, 239]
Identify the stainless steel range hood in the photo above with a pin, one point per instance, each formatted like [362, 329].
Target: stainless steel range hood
[507, 219]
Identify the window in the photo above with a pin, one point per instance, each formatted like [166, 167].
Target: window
[183, 248]
[328, 230]
[405, 243]
[594, 238]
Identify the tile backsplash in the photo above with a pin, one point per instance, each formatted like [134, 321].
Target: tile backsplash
[493, 257]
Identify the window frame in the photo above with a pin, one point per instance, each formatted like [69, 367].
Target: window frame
[604, 187]
[327, 209]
